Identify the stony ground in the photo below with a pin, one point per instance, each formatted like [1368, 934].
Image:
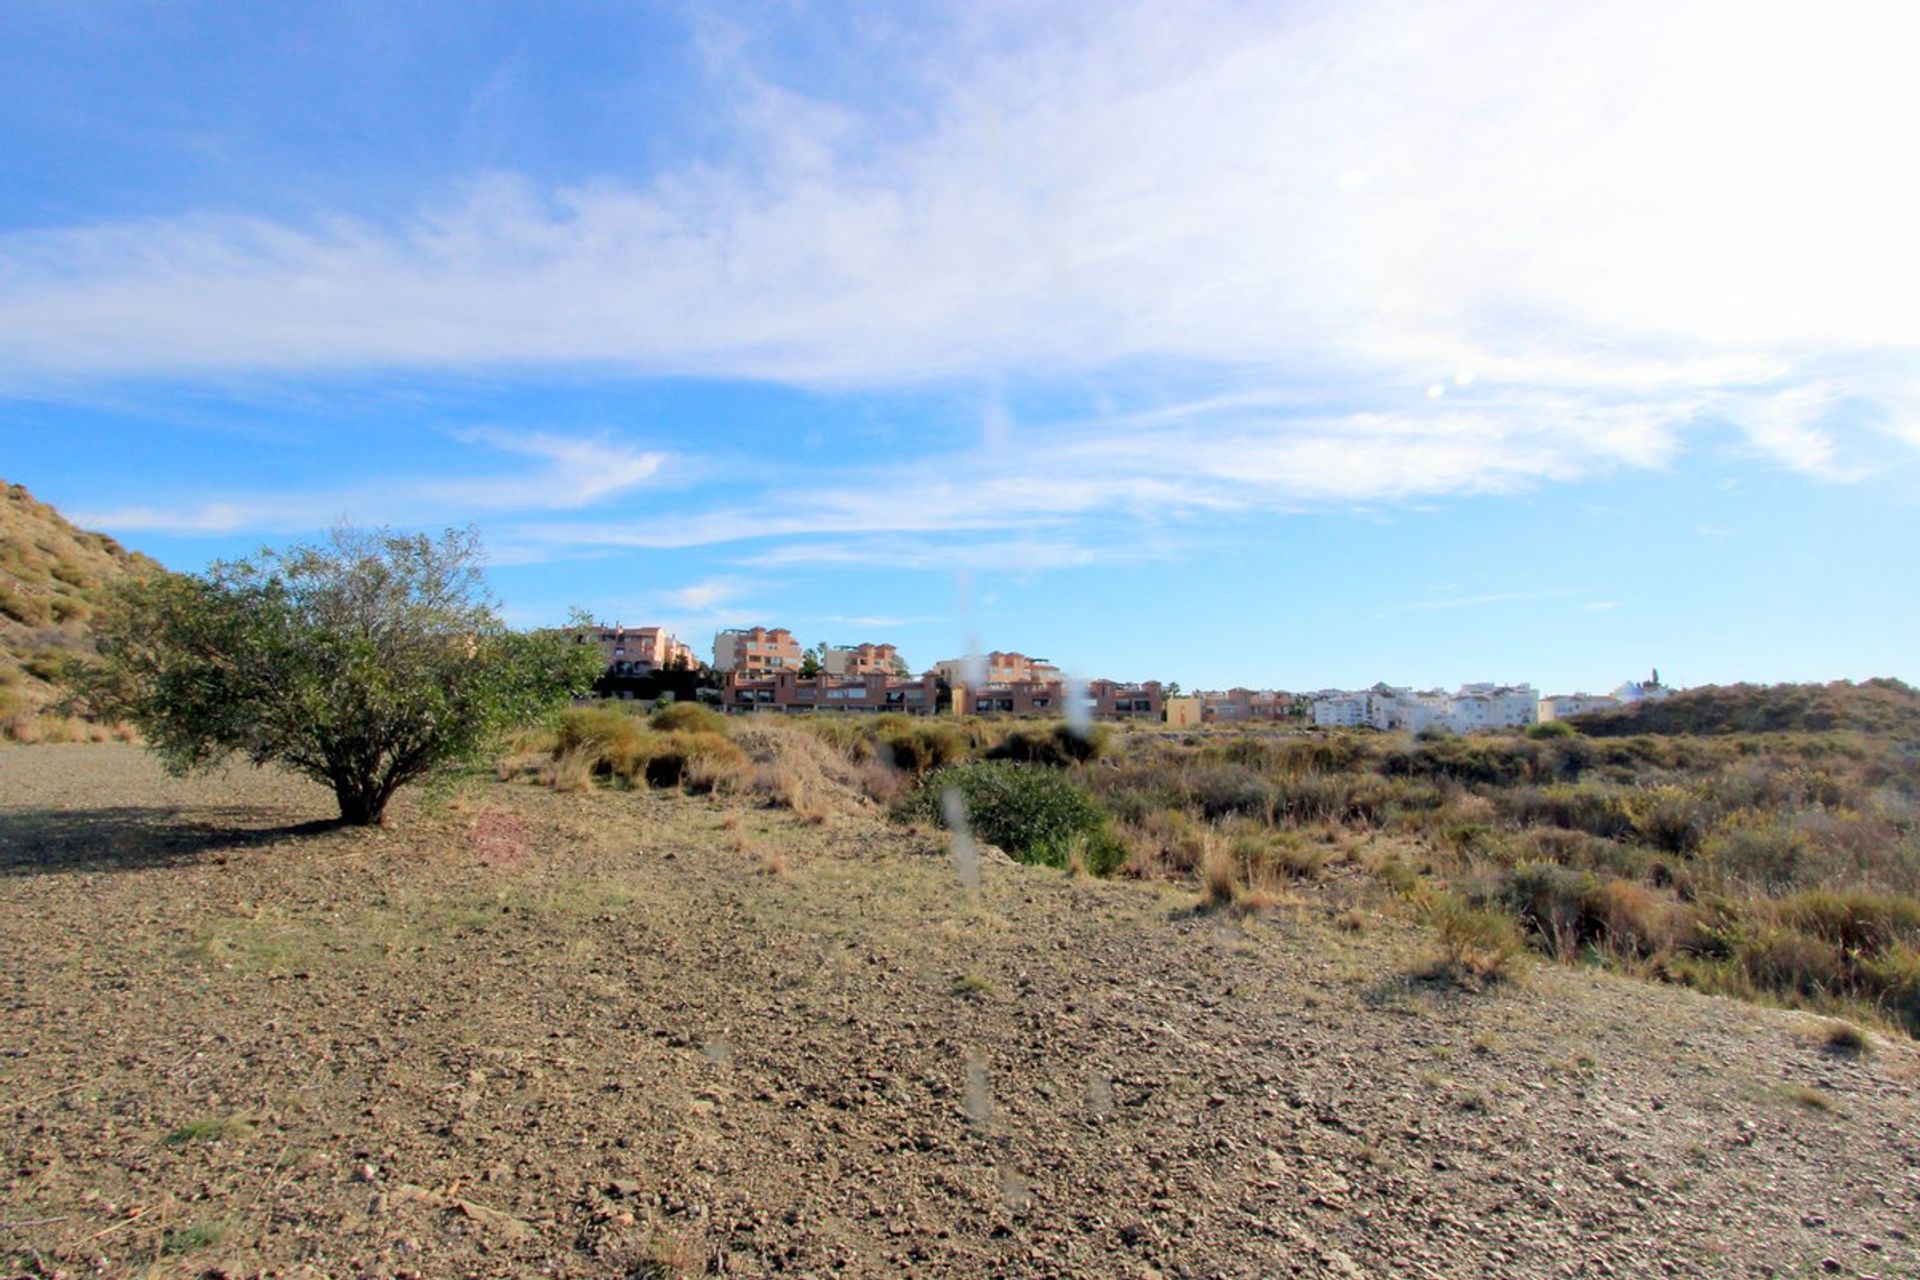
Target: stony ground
[629, 1034]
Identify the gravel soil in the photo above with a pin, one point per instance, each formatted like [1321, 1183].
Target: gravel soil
[636, 1034]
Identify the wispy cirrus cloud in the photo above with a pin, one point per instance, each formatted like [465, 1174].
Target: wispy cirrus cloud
[1596, 225]
[573, 473]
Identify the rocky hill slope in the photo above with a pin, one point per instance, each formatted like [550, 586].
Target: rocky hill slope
[52, 576]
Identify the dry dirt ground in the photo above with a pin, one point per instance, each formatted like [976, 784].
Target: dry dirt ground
[629, 1034]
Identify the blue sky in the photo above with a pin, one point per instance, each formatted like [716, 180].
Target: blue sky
[1287, 345]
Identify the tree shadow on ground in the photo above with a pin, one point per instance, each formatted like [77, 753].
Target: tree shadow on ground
[125, 837]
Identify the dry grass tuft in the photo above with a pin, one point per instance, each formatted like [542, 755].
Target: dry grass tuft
[1845, 1038]
[1478, 945]
[1219, 875]
[570, 771]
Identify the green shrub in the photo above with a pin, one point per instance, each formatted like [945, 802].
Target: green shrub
[1670, 818]
[1062, 745]
[1585, 806]
[1551, 730]
[1475, 942]
[1036, 814]
[1219, 790]
[47, 663]
[697, 760]
[611, 733]
[1759, 852]
[1856, 922]
[688, 717]
[919, 746]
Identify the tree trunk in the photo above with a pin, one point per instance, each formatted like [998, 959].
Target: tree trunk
[360, 806]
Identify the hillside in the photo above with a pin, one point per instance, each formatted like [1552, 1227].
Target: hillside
[641, 1033]
[1873, 706]
[52, 576]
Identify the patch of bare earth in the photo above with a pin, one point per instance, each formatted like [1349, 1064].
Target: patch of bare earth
[623, 1033]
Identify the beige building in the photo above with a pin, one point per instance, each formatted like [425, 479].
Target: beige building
[862, 660]
[1183, 713]
[998, 668]
[756, 651]
[639, 650]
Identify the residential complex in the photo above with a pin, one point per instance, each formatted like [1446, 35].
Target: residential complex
[996, 668]
[1562, 705]
[761, 669]
[640, 650]
[1102, 699]
[788, 691]
[756, 651]
[1238, 705]
[862, 660]
[1389, 707]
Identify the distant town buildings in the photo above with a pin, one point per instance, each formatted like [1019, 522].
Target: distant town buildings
[996, 668]
[761, 669]
[1235, 706]
[641, 650]
[1563, 705]
[757, 651]
[787, 691]
[1390, 707]
[862, 660]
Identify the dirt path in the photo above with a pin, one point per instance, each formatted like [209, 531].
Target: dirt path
[632, 1034]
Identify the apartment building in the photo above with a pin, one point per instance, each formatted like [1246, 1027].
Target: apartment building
[1395, 708]
[756, 651]
[862, 660]
[1562, 705]
[1234, 706]
[786, 691]
[640, 650]
[1009, 698]
[1111, 700]
[997, 668]
[1103, 699]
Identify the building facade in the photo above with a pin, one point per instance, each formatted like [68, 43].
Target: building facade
[996, 668]
[862, 660]
[1393, 708]
[786, 691]
[640, 650]
[756, 651]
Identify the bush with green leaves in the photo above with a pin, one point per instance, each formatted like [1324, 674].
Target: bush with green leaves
[366, 663]
[1037, 814]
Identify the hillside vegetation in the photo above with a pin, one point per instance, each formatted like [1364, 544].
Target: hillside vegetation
[1872, 706]
[52, 577]
[1780, 867]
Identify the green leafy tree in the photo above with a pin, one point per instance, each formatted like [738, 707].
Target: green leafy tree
[366, 663]
[810, 663]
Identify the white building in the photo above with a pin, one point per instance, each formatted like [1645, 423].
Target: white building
[1562, 705]
[1336, 710]
[1393, 708]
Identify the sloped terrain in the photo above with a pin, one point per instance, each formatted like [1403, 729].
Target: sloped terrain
[634, 1033]
[52, 576]
[1882, 706]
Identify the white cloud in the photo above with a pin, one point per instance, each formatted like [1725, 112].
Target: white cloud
[1589, 229]
[708, 595]
[576, 473]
